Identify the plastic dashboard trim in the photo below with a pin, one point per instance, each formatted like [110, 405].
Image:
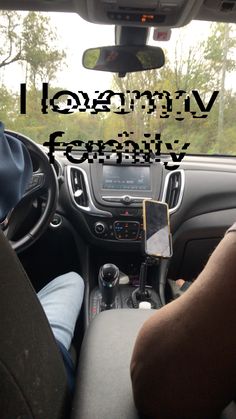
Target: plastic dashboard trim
[182, 173]
[93, 210]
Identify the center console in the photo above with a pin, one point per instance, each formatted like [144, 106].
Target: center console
[110, 197]
[116, 290]
[104, 366]
[121, 189]
[110, 200]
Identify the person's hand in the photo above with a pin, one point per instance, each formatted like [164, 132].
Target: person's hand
[178, 287]
[180, 282]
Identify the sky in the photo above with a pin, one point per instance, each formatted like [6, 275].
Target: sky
[75, 35]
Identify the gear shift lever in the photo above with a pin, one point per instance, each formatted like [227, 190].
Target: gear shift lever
[108, 279]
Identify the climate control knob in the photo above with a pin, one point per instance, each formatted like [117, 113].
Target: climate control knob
[100, 227]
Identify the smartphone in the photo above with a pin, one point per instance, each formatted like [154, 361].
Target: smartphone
[156, 224]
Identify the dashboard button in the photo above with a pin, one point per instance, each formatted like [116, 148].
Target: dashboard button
[100, 228]
[130, 212]
[127, 199]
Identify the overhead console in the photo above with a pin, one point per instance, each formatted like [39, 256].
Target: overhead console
[161, 13]
[167, 13]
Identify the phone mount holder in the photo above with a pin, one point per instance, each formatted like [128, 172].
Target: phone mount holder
[142, 293]
[156, 244]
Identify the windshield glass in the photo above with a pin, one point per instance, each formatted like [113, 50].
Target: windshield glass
[188, 103]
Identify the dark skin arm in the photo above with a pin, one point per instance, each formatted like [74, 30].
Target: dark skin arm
[184, 360]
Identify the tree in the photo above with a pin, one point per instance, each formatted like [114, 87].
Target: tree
[8, 106]
[31, 40]
[218, 53]
[202, 67]
[39, 48]
[11, 45]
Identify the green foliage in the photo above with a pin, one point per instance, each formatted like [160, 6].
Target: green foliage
[203, 67]
[11, 45]
[8, 106]
[217, 49]
[43, 58]
[39, 126]
[30, 40]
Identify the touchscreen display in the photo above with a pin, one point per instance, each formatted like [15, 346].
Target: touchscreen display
[126, 177]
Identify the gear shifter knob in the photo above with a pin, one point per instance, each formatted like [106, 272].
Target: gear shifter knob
[108, 280]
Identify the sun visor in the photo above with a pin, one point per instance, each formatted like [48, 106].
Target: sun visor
[218, 11]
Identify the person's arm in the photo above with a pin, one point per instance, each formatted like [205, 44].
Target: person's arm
[184, 360]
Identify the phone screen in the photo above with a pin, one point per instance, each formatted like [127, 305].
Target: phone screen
[157, 229]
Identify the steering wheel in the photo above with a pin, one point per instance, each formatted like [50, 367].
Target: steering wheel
[44, 181]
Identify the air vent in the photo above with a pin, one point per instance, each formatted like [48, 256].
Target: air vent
[78, 187]
[174, 189]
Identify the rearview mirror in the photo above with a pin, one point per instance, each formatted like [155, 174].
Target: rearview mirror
[123, 59]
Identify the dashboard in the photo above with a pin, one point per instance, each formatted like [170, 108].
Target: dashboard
[102, 201]
[104, 204]
[110, 196]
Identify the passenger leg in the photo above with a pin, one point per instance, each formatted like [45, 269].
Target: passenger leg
[61, 300]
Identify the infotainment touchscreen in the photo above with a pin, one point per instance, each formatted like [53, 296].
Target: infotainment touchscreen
[126, 177]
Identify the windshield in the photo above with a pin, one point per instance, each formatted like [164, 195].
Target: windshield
[188, 104]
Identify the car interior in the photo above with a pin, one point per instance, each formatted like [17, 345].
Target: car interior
[86, 208]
